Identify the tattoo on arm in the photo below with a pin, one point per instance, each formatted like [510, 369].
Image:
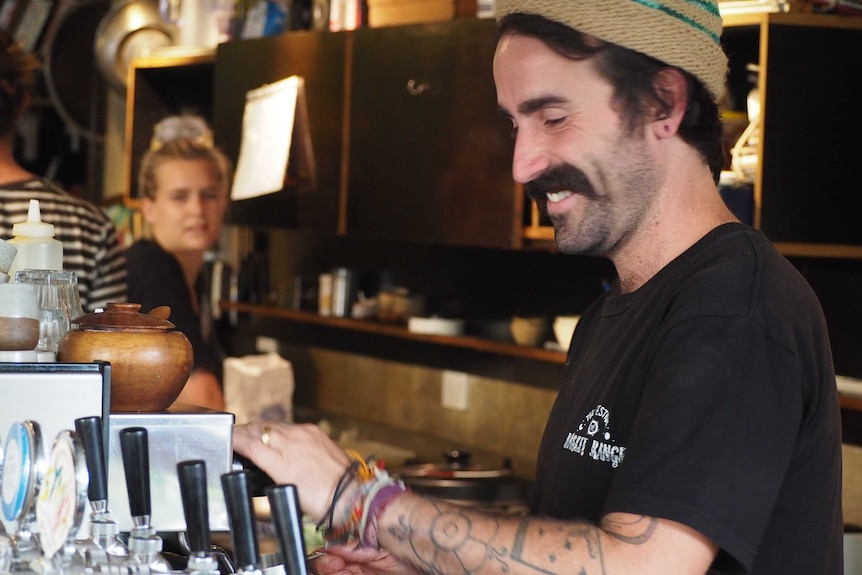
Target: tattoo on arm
[441, 538]
[637, 531]
[547, 546]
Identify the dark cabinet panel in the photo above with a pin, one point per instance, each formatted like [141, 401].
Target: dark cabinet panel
[811, 129]
[429, 152]
[319, 57]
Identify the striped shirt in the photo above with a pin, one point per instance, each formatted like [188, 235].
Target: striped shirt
[90, 245]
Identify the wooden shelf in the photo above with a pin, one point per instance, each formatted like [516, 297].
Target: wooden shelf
[397, 331]
[851, 402]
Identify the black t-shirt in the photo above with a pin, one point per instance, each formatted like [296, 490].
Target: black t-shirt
[155, 278]
[706, 397]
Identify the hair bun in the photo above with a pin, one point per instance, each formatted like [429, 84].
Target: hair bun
[183, 127]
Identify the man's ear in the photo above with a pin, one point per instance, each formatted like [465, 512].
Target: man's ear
[670, 83]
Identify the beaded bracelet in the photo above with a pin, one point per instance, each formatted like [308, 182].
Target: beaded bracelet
[374, 508]
[376, 489]
[340, 487]
[361, 470]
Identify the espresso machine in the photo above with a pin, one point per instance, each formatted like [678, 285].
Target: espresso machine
[43, 537]
[182, 432]
[56, 395]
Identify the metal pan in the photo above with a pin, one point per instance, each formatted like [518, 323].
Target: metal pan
[130, 29]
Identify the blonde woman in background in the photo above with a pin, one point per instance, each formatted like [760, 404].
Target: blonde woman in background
[183, 182]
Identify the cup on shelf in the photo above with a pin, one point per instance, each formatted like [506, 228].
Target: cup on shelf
[530, 331]
[564, 329]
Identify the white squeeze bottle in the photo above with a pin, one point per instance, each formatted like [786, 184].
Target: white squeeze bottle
[37, 248]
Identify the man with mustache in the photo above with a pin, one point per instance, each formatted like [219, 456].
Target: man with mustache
[698, 428]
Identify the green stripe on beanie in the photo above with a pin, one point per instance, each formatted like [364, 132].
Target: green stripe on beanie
[682, 33]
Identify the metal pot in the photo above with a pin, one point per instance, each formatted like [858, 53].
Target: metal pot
[460, 481]
[150, 360]
[130, 29]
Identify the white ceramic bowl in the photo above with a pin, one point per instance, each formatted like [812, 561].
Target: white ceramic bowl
[564, 328]
[18, 300]
[435, 325]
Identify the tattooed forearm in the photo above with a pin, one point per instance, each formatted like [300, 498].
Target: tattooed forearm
[444, 539]
[440, 538]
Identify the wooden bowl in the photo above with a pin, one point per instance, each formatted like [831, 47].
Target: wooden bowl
[18, 333]
[150, 361]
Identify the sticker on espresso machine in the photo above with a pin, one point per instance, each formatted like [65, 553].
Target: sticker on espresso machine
[63, 494]
[20, 469]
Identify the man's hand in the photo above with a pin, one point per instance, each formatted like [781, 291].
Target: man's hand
[353, 560]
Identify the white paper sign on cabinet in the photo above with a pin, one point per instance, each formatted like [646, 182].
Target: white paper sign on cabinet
[268, 135]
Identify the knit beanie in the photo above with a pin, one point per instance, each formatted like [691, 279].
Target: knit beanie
[681, 33]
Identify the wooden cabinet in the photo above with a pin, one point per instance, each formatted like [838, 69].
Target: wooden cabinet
[810, 79]
[430, 154]
[319, 57]
[410, 147]
[407, 139]
[161, 86]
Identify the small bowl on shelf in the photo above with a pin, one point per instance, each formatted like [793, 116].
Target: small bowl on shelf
[564, 329]
[529, 331]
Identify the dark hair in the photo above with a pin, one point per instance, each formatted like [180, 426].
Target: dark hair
[17, 78]
[632, 75]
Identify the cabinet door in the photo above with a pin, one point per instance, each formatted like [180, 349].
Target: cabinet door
[811, 130]
[429, 152]
[244, 65]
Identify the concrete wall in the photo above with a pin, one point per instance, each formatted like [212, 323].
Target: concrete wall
[502, 418]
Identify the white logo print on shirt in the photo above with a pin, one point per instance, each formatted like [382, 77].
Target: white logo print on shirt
[594, 433]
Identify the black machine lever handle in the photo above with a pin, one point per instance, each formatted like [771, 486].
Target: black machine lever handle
[193, 489]
[90, 431]
[136, 464]
[287, 517]
[237, 494]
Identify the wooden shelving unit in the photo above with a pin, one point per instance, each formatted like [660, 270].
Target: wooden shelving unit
[397, 331]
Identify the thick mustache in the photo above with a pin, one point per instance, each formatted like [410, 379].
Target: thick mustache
[557, 179]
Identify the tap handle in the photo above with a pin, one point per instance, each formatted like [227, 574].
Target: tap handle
[90, 430]
[193, 489]
[287, 516]
[136, 464]
[237, 494]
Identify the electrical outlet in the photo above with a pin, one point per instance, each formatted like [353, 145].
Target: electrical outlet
[455, 390]
[266, 344]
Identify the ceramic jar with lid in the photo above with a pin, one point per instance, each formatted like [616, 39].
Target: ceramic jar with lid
[150, 360]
